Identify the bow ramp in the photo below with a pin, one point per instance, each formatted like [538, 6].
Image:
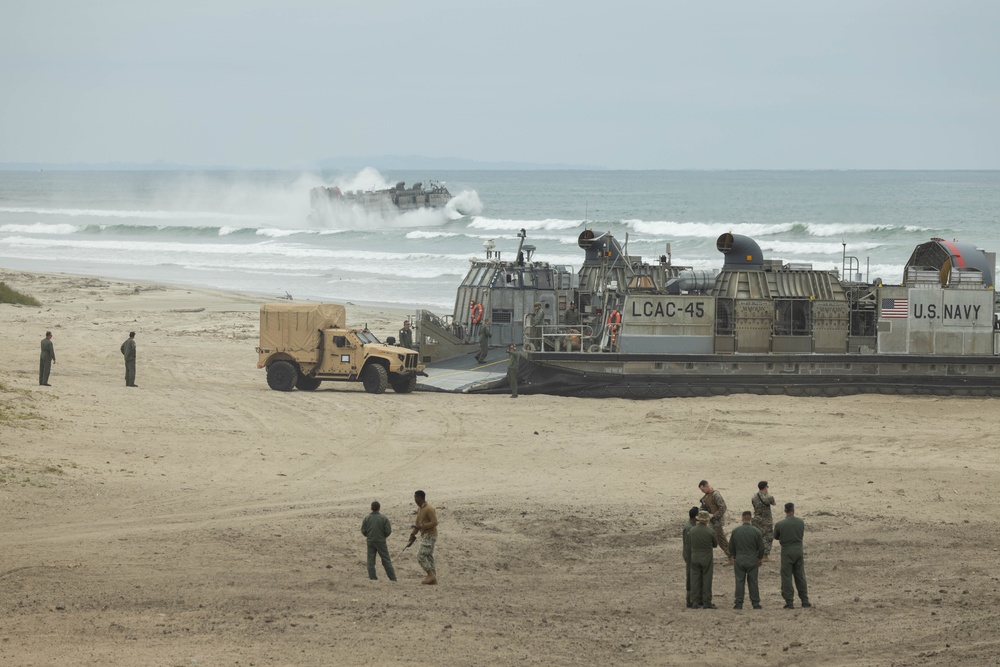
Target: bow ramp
[463, 374]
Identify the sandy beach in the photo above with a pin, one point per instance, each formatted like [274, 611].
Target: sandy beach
[202, 518]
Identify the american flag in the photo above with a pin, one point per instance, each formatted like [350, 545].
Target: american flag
[895, 308]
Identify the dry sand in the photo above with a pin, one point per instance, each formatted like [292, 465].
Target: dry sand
[204, 519]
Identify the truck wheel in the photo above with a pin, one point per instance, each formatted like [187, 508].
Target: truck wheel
[307, 383]
[281, 376]
[374, 378]
[403, 384]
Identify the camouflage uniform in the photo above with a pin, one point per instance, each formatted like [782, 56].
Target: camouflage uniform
[427, 520]
[717, 506]
[425, 553]
[762, 518]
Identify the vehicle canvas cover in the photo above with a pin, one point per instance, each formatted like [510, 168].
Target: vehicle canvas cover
[295, 326]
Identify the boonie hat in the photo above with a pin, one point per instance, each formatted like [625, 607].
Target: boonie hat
[704, 516]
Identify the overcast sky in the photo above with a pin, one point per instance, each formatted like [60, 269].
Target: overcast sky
[705, 84]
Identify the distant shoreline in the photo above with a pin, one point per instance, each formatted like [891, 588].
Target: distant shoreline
[22, 280]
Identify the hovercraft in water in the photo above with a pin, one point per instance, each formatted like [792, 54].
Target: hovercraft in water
[398, 198]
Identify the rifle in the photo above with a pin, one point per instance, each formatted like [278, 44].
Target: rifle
[408, 545]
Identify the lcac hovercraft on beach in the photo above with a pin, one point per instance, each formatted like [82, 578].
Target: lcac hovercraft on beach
[768, 327]
[755, 326]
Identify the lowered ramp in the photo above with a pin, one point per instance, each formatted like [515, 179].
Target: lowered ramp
[463, 374]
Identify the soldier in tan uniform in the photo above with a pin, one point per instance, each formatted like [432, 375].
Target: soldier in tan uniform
[717, 510]
[426, 525]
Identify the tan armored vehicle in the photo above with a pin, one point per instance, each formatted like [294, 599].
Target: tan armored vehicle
[301, 345]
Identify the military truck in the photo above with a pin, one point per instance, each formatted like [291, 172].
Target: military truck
[301, 345]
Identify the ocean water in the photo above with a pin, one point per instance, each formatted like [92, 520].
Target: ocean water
[253, 231]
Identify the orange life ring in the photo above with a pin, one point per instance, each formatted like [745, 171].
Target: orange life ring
[477, 312]
[614, 323]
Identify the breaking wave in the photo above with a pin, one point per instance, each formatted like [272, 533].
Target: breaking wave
[138, 214]
[515, 225]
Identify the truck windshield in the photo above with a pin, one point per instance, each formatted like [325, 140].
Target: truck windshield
[367, 337]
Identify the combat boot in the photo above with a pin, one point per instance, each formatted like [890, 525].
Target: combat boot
[430, 578]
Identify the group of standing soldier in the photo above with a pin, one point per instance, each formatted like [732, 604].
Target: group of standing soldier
[48, 357]
[746, 549]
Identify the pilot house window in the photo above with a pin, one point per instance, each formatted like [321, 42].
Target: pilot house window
[502, 316]
[792, 317]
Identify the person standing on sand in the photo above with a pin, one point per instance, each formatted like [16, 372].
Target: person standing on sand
[376, 528]
[703, 541]
[485, 333]
[789, 532]
[717, 509]
[512, 364]
[406, 335]
[46, 360]
[746, 548]
[686, 552]
[128, 351]
[762, 501]
[426, 525]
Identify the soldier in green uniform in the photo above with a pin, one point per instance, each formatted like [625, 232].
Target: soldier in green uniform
[485, 333]
[789, 532]
[762, 501]
[376, 528]
[686, 552]
[746, 547]
[571, 317]
[512, 364]
[406, 335]
[717, 509]
[128, 351]
[535, 321]
[703, 541]
[45, 361]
